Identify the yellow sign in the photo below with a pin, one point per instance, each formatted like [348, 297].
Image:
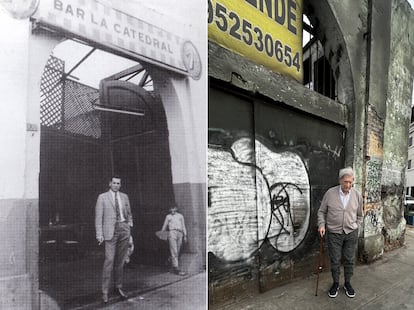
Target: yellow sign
[268, 32]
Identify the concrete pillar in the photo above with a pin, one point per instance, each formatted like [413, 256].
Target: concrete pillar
[378, 47]
[186, 118]
[23, 55]
[41, 44]
[398, 114]
[15, 275]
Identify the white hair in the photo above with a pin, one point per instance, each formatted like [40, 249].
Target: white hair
[346, 171]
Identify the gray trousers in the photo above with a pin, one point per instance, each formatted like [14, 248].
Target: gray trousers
[342, 246]
[116, 251]
[175, 240]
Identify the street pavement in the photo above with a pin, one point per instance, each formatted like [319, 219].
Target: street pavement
[388, 283]
[186, 294]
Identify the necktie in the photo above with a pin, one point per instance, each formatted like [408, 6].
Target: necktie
[118, 213]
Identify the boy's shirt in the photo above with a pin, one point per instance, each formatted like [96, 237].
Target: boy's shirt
[175, 222]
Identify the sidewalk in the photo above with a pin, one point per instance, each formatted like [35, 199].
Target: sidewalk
[385, 284]
[76, 284]
[187, 294]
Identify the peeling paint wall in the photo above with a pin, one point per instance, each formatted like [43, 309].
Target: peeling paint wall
[277, 184]
[370, 47]
[266, 180]
[398, 107]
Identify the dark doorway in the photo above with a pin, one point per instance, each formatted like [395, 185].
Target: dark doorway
[136, 133]
[87, 135]
[268, 167]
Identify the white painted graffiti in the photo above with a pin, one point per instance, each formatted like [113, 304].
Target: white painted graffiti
[255, 196]
[334, 151]
[373, 222]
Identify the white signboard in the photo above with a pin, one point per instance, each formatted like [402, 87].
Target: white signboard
[97, 22]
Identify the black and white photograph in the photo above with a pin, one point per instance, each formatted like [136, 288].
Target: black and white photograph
[103, 127]
[206, 154]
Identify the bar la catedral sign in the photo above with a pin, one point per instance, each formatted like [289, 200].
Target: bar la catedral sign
[97, 22]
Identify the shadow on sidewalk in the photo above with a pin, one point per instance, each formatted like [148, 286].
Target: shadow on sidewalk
[76, 284]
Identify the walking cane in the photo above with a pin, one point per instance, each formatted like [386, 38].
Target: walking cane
[319, 263]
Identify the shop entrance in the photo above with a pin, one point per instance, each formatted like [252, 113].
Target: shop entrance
[137, 136]
[88, 134]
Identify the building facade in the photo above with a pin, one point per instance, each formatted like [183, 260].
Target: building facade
[277, 140]
[143, 119]
[409, 176]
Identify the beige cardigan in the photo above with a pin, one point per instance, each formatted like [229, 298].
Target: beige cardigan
[335, 217]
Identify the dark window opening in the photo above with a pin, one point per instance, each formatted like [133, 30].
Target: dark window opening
[318, 74]
[324, 83]
[307, 71]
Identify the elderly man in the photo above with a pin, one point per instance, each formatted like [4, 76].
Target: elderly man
[340, 215]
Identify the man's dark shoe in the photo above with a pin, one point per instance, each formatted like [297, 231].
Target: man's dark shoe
[333, 292]
[121, 293]
[350, 292]
[105, 298]
[179, 272]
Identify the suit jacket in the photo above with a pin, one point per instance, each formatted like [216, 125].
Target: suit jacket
[105, 214]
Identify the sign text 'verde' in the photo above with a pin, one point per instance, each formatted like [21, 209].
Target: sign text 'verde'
[130, 33]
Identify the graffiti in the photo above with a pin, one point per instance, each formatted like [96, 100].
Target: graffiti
[373, 218]
[373, 182]
[373, 222]
[285, 198]
[392, 207]
[232, 200]
[335, 152]
[255, 195]
[280, 205]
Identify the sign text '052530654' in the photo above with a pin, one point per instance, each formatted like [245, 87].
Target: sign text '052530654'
[268, 32]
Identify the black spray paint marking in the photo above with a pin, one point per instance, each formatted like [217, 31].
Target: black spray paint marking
[251, 203]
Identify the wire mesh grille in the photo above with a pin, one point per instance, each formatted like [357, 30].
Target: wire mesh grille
[51, 93]
[67, 105]
[80, 116]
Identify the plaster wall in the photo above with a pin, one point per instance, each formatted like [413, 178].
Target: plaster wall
[23, 56]
[398, 115]
[371, 60]
[16, 272]
[342, 27]
[13, 108]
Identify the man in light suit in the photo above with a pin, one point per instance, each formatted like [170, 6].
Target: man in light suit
[113, 222]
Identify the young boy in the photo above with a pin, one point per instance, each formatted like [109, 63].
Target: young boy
[177, 232]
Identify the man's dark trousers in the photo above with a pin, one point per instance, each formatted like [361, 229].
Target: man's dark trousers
[342, 245]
